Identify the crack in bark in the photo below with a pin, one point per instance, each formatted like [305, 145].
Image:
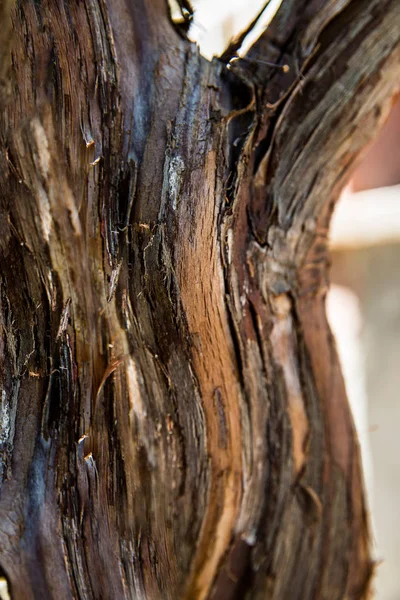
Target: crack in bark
[156, 215]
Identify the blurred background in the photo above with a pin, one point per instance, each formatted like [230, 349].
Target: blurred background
[364, 300]
[364, 312]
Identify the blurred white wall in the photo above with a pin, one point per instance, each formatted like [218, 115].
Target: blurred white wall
[365, 319]
[217, 21]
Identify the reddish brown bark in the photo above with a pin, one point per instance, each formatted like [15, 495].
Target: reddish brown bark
[174, 420]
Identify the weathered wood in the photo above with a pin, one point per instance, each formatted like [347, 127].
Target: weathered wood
[173, 417]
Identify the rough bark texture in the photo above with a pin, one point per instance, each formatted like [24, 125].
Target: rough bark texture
[173, 417]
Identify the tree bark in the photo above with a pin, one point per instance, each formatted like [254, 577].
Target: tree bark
[173, 417]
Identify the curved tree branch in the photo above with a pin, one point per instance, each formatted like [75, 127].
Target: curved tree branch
[174, 421]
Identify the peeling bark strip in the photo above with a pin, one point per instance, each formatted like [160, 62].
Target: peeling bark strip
[173, 421]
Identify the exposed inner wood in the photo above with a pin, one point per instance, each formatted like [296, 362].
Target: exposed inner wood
[173, 419]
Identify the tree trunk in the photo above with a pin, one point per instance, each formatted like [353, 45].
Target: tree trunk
[173, 419]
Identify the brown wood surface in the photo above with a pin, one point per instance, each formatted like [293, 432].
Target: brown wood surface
[173, 419]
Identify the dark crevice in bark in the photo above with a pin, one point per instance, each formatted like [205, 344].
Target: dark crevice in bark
[173, 418]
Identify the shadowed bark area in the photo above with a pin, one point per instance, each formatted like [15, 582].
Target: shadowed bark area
[173, 419]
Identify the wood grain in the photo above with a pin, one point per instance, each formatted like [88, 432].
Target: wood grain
[173, 418]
